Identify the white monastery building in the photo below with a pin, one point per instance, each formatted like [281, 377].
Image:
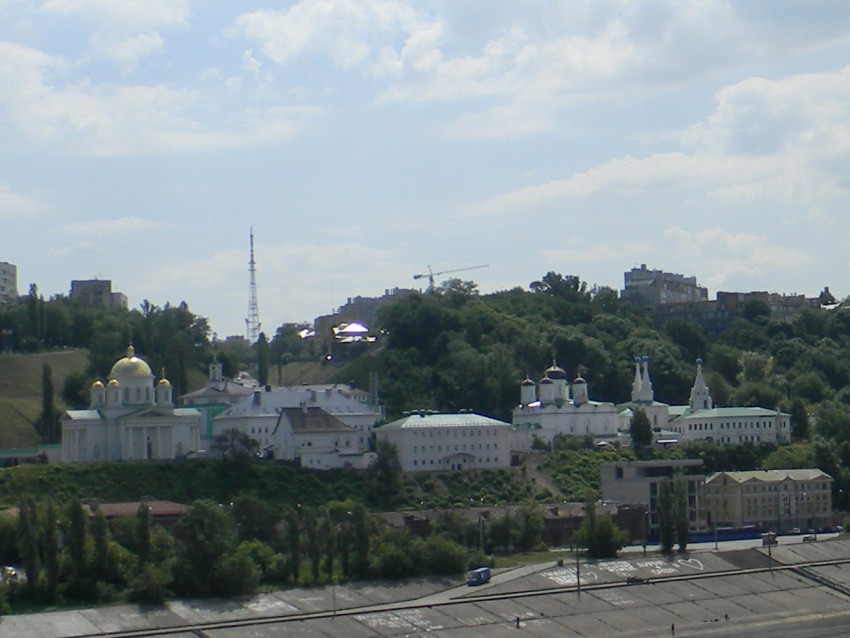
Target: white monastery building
[131, 417]
[429, 442]
[702, 421]
[319, 426]
[557, 407]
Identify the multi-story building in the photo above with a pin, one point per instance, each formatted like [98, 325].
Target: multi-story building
[651, 288]
[97, 292]
[702, 421]
[636, 483]
[337, 420]
[734, 426]
[715, 316]
[8, 282]
[778, 500]
[428, 442]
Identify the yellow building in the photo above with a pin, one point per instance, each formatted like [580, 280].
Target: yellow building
[779, 500]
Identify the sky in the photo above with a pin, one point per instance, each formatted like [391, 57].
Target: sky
[366, 141]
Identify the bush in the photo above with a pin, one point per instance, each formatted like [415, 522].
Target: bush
[237, 574]
[441, 556]
[151, 585]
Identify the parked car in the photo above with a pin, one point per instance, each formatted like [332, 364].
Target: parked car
[637, 580]
[809, 538]
[478, 576]
[794, 530]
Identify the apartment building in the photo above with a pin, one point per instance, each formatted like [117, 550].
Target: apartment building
[779, 500]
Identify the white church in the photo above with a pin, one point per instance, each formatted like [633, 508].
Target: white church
[554, 406]
[131, 417]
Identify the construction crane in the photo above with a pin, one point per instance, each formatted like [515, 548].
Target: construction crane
[430, 274]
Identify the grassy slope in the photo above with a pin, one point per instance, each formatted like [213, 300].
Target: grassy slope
[186, 481]
[20, 391]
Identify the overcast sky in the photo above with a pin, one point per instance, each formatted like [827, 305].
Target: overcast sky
[366, 140]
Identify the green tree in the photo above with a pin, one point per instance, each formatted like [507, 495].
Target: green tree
[205, 536]
[441, 556]
[384, 476]
[150, 585]
[237, 574]
[50, 551]
[328, 538]
[255, 518]
[143, 536]
[78, 549]
[529, 528]
[689, 337]
[641, 429]
[361, 541]
[795, 456]
[75, 390]
[293, 537]
[600, 537]
[680, 512]
[101, 559]
[262, 359]
[666, 515]
[501, 531]
[28, 544]
[235, 446]
[48, 421]
[799, 420]
[393, 554]
[311, 530]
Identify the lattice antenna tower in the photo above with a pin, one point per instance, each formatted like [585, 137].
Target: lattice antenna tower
[252, 321]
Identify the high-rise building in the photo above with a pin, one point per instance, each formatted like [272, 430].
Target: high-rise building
[8, 282]
[97, 292]
[652, 288]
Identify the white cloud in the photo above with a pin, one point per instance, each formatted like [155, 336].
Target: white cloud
[773, 140]
[348, 31]
[15, 205]
[531, 69]
[760, 116]
[126, 226]
[722, 256]
[125, 14]
[104, 120]
[128, 30]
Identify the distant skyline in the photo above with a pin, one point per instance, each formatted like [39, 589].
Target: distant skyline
[364, 140]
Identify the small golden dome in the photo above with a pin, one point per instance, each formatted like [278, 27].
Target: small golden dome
[164, 383]
[97, 384]
[113, 383]
[131, 366]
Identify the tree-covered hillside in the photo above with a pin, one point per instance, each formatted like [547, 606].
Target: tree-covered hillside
[452, 348]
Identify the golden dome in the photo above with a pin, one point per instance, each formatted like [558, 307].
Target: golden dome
[112, 383]
[97, 384]
[130, 366]
[164, 382]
